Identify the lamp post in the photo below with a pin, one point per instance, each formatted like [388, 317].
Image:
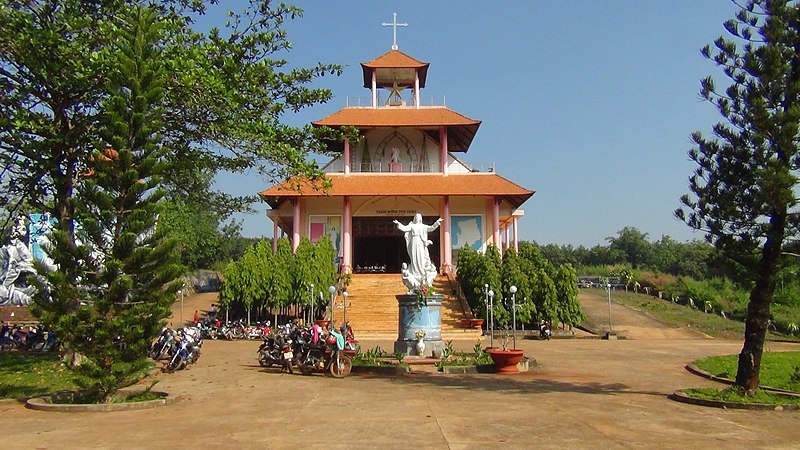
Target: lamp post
[609, 308]
[312, 304]
[344, 307]
[486, 301]
[513, 291]
[182, 289]
[332, 291]
[491, 320]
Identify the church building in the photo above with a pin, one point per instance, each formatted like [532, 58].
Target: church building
[410, 158]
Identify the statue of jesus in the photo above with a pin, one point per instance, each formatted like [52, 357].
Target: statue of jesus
[416, 236]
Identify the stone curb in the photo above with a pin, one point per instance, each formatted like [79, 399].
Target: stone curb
[44, 404]
[461, 370]
[710, 376]
[381, 370]
[681, 396]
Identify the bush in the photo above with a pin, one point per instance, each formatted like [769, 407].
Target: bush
[657, 281]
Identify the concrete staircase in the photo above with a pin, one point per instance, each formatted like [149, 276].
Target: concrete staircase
[372, 307]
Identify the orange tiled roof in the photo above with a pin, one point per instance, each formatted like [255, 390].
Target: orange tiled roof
[406, 184]
[460, 129]
[395, 59]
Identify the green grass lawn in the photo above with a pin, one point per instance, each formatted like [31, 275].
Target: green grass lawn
[681, 316]
[778, 369]
[732, 395]
[25, 375]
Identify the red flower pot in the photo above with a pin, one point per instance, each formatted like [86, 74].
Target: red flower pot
[505, 360]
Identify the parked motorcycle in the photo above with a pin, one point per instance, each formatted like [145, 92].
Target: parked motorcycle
[325, 355]
[270, 351]
[210, 328]
[163, 346]
[544, 331]
[256, 331]
[233, 330]
[187, 350]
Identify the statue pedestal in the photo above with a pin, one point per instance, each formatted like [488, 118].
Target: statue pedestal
[413, 318]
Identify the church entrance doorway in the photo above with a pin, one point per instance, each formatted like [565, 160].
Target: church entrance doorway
[379, 247]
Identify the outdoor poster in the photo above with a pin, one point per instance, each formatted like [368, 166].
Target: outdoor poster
[330, 226]
[466, 230]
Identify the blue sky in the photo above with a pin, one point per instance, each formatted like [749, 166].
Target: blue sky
[589, 103]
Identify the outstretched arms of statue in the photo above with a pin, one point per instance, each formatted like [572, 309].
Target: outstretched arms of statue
[401, 227]
[436, 224]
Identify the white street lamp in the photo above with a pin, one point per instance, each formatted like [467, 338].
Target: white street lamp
[312, 304]
[486, 301]
[513, 291]
[344, 320]
[609, 308]
[491, 319]
[182, 289]
[332, 291]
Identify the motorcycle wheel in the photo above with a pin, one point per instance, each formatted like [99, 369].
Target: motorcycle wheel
[306, 370]
[341, 366]
[170, 367]
[265, 362]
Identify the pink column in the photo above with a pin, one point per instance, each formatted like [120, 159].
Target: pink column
[275, 236]
[295, 224]
[508, 236]
[496, 224]
[346, 156]
[516, 235]
[446, 241]
[443, 150]
[347, 242]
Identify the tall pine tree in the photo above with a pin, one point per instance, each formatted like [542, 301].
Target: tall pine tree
[118, 279]
[745, 185]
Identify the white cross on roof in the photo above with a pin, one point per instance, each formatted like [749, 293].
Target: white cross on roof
[394, 26]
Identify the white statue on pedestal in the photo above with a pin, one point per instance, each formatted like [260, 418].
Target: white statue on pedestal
[421, 270]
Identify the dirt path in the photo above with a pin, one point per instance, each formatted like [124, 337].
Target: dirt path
[191, 303]
[627, 322]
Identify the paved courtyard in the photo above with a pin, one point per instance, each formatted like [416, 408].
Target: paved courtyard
[585, 394]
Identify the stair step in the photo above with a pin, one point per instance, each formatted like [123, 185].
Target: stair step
[372, 307]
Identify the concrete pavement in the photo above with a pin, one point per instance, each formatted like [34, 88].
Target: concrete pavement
[585, 394]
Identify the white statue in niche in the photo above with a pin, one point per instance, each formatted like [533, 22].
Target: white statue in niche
[416, 236]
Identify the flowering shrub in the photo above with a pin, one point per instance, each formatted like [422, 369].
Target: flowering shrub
[423, 293]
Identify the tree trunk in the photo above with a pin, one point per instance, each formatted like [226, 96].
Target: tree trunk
[757, 320]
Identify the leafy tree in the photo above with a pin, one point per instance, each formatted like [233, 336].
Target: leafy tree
[221, 106]
[323, 273]
[513, 274]
[113, 289]
[746, 181]
[566, 285]
[197, 230]
[302, 270]
[633, 244]
[280, 280]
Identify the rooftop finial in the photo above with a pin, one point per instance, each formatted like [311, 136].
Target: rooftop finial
[394, 25]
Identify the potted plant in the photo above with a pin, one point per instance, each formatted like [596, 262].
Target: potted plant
[505, 359]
